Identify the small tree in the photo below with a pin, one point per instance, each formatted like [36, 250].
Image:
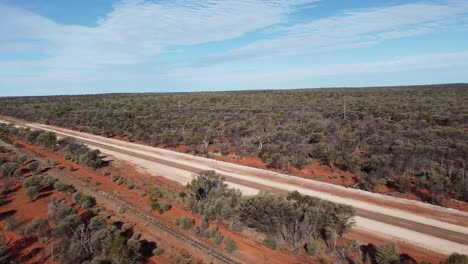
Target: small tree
[9, 169]
[388, 254]
[32, 192]
[230, 245]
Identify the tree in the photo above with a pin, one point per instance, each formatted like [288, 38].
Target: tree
[204, 183]
[9, 169]
[388, 254]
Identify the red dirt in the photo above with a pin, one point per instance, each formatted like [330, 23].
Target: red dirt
[382, 189]
[26, 249]
[459, 205]
[250, 247]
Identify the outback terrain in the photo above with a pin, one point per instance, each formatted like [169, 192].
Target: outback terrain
[393, 158]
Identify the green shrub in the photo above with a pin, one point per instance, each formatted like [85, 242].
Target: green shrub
[203, 223]
[218, 238]
[121, 181]
[155, 206]
[230, 245]
[84, 201]
[37, 225]
[456, 258]
[212, 232]
[312, 248]
[32, 181]
[32, 192]
[115, 177]
[270, 242]
[165, 206]
[186, 222]
[387, 254]
[64, 188]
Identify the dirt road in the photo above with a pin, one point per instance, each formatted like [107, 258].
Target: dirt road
[435, 228]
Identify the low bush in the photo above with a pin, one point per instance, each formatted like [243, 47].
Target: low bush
[270, 243]
[230, 245]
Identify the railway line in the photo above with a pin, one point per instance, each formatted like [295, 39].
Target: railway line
[98, 194]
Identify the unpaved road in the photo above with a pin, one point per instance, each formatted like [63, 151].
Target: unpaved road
[435, 228]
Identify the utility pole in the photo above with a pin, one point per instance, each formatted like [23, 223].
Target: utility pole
[344, 108]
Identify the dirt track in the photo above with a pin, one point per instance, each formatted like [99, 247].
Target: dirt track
[435, 228]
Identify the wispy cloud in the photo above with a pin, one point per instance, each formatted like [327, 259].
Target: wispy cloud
[136, 30]
[122, 48]
[352, 29]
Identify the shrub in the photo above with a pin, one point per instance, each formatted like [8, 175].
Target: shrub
[37, 225]
[21, 159]
[32, 181]
[154, 205]
[270, 242]
[83, 200]
[32, 192]
[11, 223]
[142, 193]
[218, 238]
[115, 177]
[186, 222]
[64, 188]
[33, 166]
[203, 224]
[312, 248]
[230, 245]
[388, 254]
[165, 206]
[121, 181]
[456, 258]
[130, 185]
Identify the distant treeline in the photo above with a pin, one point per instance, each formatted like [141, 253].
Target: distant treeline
[410, 138]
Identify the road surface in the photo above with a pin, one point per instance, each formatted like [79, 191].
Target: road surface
[442, 230]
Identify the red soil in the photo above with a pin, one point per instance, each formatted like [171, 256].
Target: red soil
[250, 248]
[26, 249]
[250, 245]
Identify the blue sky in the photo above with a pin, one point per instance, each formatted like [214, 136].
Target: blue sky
[88, 46]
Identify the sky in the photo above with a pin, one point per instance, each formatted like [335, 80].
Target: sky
[103, 46]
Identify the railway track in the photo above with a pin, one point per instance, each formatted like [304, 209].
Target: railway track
[128, 208]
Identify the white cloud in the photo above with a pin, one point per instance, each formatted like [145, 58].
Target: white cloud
[356, 28]
[136, 30]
